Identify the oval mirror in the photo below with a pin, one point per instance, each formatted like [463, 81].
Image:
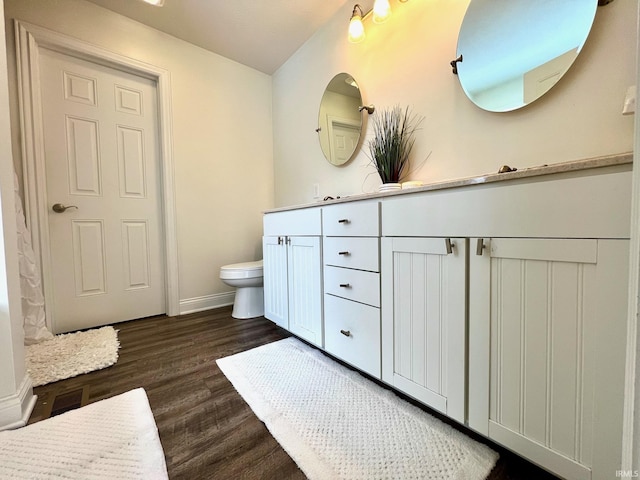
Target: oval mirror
[339, 119]
[514, 51]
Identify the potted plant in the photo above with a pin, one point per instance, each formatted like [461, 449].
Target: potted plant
[389, 149]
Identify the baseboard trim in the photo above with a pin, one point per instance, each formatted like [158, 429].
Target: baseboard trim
[207, 302]
[16, 409]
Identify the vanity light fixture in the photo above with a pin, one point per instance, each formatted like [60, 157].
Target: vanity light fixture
[356, 27]
[380, 12]
[155, 3]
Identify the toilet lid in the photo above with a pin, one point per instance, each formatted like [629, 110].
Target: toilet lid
[242, 270]
[257, 265]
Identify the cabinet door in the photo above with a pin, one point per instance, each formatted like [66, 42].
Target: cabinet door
[305, 288]
[546, 350]
[276, 303]
[423, 320]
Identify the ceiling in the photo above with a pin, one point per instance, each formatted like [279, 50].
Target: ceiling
[262, 34]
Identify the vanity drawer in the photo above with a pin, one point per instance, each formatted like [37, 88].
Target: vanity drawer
[303, 222]
[352, 333]
[355, 285]
[355, 219]
[362, 253]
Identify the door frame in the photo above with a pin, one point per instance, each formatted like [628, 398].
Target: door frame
[29, 40]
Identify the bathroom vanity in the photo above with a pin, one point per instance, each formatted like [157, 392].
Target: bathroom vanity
[499, 301]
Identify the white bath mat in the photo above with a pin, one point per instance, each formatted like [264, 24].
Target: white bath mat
[71, 354]
[336, 424]
[114, 438]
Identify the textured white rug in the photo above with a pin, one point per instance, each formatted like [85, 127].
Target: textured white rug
[71, 354]
[114, 438]
[336, 424]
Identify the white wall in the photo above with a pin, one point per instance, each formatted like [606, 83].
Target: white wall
[406, 61]
[16, 396]
[223, 150]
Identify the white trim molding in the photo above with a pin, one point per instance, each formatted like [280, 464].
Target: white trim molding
[631, 414]
[207, 302]
[19, 405]
[29, 40]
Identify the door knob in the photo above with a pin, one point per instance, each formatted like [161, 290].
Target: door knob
[59, 208]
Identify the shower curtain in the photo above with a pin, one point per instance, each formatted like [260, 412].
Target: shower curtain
[35, 328]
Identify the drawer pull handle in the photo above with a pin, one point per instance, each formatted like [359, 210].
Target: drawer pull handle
[479, 247]
[344, 220]
[345, 285]
[449, 245]
[346, 333]
[344, 253]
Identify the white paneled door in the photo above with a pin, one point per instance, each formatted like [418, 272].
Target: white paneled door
[423, 320]
[343, 138]
[276, 290]
[546, 357]
[103, 192]
[305, 288]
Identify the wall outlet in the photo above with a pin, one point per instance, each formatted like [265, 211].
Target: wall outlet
[316, 191]
[629, 106]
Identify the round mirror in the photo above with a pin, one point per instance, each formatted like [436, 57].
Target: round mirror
[340, 120]
[514, 51]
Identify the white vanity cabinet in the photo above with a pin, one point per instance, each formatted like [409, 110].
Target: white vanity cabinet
[547, 276]
[501, 304]
[292, 256]
[351, 247]
[424, 320]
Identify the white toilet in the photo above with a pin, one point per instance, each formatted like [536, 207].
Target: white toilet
[247, 278]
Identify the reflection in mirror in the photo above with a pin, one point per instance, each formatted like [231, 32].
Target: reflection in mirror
[514, 51]
[339, 120]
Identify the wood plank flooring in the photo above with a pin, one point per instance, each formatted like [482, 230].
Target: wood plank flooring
[206, 429]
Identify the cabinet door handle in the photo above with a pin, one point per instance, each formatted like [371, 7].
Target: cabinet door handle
[288, 240]
[450, 245]
[345, 285]
[346, 333]
[344, 253]
[279, 240]
[479, 247]
[344, 220]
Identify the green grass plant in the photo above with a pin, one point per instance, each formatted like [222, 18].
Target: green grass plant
[392, 142]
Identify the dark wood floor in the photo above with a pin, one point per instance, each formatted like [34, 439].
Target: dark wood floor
[206, 429]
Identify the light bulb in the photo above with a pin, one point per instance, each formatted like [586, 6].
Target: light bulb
[356, 29]
[381, 11]
[156, 3]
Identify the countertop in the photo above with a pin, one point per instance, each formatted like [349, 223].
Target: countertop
[575, 166]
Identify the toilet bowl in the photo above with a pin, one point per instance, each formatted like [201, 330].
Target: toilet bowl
[247, 278]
